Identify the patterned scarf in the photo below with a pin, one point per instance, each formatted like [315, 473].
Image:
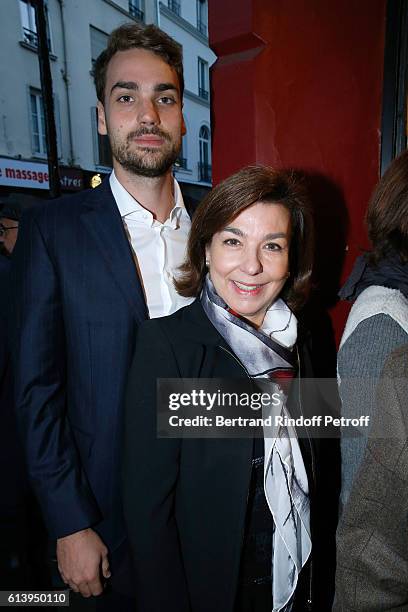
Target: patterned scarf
[285, 480]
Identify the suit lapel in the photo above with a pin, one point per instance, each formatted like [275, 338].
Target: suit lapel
[102, 219]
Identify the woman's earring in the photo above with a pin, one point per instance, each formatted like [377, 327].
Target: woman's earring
[207, 263]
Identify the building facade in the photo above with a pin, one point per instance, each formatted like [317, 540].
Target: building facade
[77, 33]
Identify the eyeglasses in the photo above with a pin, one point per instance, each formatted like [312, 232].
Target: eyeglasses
[4, 229]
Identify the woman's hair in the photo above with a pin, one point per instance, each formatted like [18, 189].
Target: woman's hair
[227, 201]
[138, 36]
[387, 213]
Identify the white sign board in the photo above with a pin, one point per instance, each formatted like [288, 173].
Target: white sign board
[14, 173]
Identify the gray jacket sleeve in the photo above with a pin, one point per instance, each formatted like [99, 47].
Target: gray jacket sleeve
[360, 362]
[372, 551]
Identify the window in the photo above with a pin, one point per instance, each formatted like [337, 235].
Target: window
[103, 153]
[38, 137]
[181, 161]
[99, 40]
[202, 12]
[174, 6]
[27, 13]
[136, 9]
[204, 166]
[202, 79]
[394, 129]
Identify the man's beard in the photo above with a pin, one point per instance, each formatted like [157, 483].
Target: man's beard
[145, 161]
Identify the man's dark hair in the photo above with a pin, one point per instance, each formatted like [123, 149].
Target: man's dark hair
[227, 200]
[387, 213]
[137, 36]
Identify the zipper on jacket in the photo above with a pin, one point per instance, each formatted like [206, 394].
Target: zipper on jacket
[307, 431]
[309, 601]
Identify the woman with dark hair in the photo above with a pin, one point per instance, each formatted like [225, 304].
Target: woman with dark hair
[378, 321]
[224, 525]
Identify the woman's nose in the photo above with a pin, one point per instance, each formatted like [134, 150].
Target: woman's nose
[251, 262]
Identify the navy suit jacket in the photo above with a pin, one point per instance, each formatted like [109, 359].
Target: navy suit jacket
[78, 302]
[13, 479]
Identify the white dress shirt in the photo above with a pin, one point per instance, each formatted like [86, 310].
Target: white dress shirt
[159, 248]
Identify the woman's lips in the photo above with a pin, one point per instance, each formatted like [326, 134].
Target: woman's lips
[246, 289]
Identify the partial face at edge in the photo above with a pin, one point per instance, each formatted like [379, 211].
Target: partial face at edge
[142, 114]
[249, 259]
[8, 240]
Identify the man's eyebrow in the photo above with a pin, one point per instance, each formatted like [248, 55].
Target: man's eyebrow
[125, 85]
[165, 87]
[131, 85]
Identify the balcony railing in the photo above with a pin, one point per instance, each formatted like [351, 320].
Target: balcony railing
[174, 6]
[202, 27]
[181, 163]
[136, 12]
[30, 37]
[203, 93]
[204, 173]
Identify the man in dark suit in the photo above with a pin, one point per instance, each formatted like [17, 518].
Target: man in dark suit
[88, 269]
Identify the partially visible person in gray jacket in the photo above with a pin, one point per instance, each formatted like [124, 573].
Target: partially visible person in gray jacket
[378, 321]
[372, 538]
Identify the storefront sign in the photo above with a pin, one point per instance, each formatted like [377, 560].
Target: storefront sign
[31, 175]
[71, 179]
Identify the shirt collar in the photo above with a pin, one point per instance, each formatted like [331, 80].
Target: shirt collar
[129, 207]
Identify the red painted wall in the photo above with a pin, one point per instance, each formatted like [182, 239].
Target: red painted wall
[299, 84]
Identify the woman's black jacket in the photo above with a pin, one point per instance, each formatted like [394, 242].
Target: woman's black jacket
[185, 500]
